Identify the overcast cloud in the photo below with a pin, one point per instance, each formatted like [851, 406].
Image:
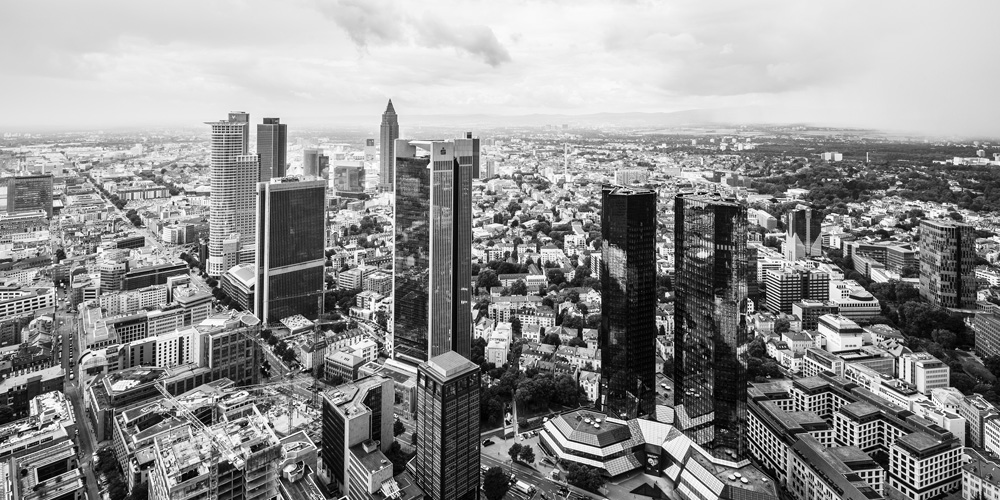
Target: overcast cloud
[910, 66]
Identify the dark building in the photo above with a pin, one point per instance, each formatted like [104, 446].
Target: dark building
[947, 262]
[628, 307]
[152, 275]
[388, 133]
[433, 276]
[290, 262]
[710, 327]
[446, 466]
[272, 146]
[131, 242]
[28, 193]
[802, 234]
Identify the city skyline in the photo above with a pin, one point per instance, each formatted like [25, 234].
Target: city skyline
[130, 70]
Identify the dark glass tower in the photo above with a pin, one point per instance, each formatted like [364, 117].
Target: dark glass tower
[447, 460]
[28, 193]
[710, 327]
[388, 134]
[628, 307]
[272, 146]
[432, 272]
[802, 234]
[947, 263]
[290, 244]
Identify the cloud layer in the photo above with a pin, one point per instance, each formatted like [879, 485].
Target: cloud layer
[917, 66]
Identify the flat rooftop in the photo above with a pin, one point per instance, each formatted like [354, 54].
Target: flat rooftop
[591, 428]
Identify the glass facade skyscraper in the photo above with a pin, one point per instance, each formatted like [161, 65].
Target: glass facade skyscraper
[432, 272]
[710, 326]
[26, 193]
[291, 240]
[628, 305]
[802, 234]
[947, 263]
[447, 459]
[272, 146]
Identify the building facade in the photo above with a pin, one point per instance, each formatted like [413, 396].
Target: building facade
[234, 173]
[388, 133]
[432, 268]
[947, 263]
[272, 146]
[802, 234]
[290, 249]
[447, 461]
[710, 326]
[628, 306]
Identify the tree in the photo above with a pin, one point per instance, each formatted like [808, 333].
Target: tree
[552, 339]
[514, 451]
[60, 254]
[781, 325]
[555, 276]
[945, 338]
[963, 382]
[487, 279]
[515, 326]
[527, 454]
[519, 288]
[398, 428]
[577, 342]
[413, 438]
[584, 477]
[495, 483]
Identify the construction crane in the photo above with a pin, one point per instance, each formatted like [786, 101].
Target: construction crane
[224, 448]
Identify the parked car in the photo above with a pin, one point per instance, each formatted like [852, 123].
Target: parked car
[487, 442]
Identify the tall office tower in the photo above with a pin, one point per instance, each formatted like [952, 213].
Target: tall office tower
[388, 134]
[447, 460]
[947, 262]
[26, 193]
[272, 146]
[710, 327]
[468, 153]
[802, 233]
[369, 150]
[349, 178]
[354, 413]
[234, 177]
[432, 293]
[628, 312]
[310, 162]
[291, 239]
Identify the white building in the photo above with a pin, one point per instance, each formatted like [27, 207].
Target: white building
[924, 371]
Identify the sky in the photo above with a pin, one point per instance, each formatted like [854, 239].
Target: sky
[911, 66]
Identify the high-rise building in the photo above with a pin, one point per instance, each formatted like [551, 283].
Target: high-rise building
[388, 134]
[447, 460]
[468, 153]
[802, 233]
[26, 193]
[349, 177]
[310, 162]
[710, 327]
[369, 150]
[786, 286]
[352, 414]
[272, 146]
[291, 223]
[433, 231]
[947, 263]
[628, 307]
[234, 175]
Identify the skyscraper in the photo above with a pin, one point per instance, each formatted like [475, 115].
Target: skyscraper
[947, 262]
[388, 134]
[628, 310]
[447, 460]
[234, 175]
[432, 293]
[26, 193]
[710, 327]
[272, 146]
[310, 162]
[291, 229]
[802, 233]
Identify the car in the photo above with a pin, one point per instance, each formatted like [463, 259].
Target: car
[487, 442]
[484, 468]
